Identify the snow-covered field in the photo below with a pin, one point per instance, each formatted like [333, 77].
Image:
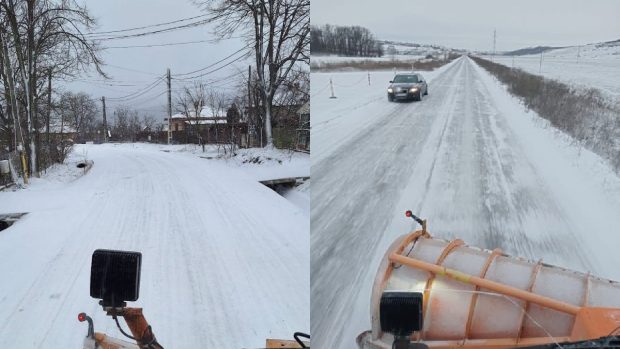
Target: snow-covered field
[402, 53]
[340, 59]
[469, 159]
[225, 259]
[592, 66]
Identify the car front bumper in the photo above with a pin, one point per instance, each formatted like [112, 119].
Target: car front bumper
[404, 95]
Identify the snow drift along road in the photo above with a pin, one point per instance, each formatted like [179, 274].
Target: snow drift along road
[225, 259]
[470, 160]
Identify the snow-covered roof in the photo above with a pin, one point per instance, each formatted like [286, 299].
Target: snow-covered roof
[210, 121]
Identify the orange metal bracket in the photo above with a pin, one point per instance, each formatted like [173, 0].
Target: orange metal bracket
[496, 252]
[137, 325]
[429, 282]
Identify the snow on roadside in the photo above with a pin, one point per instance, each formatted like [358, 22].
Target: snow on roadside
[58, 174]
[299, 196]
[260, 163]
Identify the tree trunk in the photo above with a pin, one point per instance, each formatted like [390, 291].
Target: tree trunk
[268, 133]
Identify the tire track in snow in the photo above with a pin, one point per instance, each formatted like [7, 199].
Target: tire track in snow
[217, 282]
[352, 192]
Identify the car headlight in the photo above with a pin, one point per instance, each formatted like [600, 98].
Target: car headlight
[415, 89]
[390, 90]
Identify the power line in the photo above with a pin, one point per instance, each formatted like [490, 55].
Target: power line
[160, 31]
[211, 65]
[101, 83]
[167, 44]
[211, 71]
[144, 27]
[139, 93]
[132, 70]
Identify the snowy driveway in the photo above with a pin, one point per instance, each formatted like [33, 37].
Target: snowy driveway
[225, 259]
[470, 160]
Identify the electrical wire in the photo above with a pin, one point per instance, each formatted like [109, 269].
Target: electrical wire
[223, 59]
[214, 81]
[121, 329]
[101, 83]
[139, 341]
[144, 27]
[211, 41]
[211, 65]
[140, 92]
[212, 71]
[132, 70]
[160, 31]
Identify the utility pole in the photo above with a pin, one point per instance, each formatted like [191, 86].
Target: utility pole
[250, 100]
[105, 122]
[169, 107]
[494, 41]
[541, 59]
[49, 108]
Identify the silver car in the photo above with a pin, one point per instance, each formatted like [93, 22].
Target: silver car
[407, 86]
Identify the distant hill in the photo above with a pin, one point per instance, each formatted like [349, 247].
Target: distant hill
[609, 43]
[530, 50]
[414, 49]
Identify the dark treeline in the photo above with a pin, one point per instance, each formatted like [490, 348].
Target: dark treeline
[344, 41]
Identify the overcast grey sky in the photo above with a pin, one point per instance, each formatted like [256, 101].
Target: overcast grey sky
[146, 64]
[469, 24]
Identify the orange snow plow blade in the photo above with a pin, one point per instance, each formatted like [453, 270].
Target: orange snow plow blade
[278, 343]
[485, 299]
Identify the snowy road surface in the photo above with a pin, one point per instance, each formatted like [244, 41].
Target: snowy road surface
[225, 259]
[468, 158]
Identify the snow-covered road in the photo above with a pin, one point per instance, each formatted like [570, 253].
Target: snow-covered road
[225, 259]
[468, 158]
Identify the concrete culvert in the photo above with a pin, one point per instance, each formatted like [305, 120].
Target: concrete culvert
[3, 225]
[81, 165]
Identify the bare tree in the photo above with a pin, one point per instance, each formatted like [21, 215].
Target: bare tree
[190, 102]
[216, 101]
[344, 40]
[120, 129]
[82, 112]
[40, 37]
[278, 31]
[232, 120]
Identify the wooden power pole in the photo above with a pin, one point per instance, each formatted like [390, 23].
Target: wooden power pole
[105, 122]
[250, 101]
[169, 107]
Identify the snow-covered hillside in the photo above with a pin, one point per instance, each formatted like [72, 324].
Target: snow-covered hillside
[225, 259]
[594, 66]
[401, 52]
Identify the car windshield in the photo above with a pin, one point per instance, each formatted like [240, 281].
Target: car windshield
[405, 79]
